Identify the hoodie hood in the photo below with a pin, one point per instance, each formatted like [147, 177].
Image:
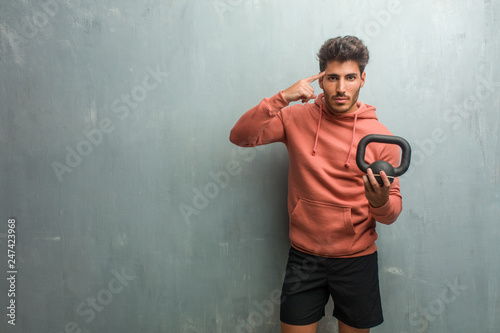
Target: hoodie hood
[364, 111]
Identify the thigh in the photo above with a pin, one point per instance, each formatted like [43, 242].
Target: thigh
[354, 286]
[305, 289]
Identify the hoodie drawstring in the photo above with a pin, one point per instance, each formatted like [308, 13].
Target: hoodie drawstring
[317, 130]
[347, 164]
[365, 108]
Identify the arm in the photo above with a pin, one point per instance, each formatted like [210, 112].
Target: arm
[385, 201]
[264, 123]
[261, 124]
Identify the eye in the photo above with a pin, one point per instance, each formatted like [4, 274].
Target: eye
[351, 78]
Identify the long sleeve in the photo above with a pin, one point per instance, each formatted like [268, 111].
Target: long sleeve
[389, 212]
[261, 125]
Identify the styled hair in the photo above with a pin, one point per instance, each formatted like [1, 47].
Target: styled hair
[343, 49]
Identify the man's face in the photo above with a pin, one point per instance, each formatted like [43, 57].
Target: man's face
[341, 85]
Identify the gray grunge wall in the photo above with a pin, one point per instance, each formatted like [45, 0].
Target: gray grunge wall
[132, 212]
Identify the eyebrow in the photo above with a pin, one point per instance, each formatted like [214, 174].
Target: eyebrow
[336, 75]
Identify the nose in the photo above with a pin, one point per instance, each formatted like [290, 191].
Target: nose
[341, 87]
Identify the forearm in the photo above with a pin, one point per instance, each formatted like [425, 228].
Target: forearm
[259, 125]
[389, 212]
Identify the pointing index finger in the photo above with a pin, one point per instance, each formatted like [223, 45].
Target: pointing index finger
[313, 78]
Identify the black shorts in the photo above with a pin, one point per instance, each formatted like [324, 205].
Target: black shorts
[352, 283]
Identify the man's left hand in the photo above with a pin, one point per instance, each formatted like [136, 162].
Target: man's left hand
[376, 194]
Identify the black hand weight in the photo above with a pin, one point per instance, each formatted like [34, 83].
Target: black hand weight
[378, 166]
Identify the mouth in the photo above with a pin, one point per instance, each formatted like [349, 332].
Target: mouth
[340, 100]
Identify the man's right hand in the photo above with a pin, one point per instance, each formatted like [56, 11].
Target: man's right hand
[302, 89]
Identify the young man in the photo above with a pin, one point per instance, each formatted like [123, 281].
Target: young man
[332, 205]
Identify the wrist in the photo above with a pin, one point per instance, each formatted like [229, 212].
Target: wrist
[379, 208]
[378, 204]
[285, 96]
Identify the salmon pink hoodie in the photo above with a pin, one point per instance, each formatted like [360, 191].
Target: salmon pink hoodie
[328, 210]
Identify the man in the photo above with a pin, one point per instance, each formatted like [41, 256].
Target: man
[332, 205]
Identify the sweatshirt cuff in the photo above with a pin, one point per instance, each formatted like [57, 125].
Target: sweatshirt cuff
[276, 103]
[383, 210]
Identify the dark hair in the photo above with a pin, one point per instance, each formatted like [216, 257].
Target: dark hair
[343, 49]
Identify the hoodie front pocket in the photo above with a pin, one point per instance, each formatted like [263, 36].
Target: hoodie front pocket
[322, 228]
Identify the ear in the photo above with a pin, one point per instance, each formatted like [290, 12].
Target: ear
[363, 77]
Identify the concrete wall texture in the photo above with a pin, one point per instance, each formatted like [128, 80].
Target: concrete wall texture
[132, 212]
